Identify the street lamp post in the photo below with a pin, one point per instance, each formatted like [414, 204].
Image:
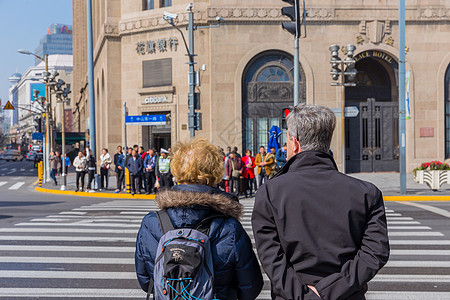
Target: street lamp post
[345, 70]
[61, 95]
[193, 117]
[47, 115]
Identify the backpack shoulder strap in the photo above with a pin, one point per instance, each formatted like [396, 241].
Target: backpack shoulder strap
[164, 221]
[204, 225]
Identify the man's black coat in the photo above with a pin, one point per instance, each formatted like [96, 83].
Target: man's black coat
[316, 226]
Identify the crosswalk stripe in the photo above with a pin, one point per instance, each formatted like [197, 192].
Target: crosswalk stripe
[107, 209]
[420, 252]
[414, 233]
[3, 183]
[399, 219]
[403, 295]
[16, 186]
[402, 223]
[69, 292]
[119, 225]
[67, 260]
[84, 217]
[419, 242]
[67, 238]
[417, 264]
[409, 227]
[73, 213]
[66, 274]
[85, 220]
[54, 248]
[411, 278]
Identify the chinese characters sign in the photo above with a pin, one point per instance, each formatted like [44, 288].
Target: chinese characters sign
[160, 45]
[146, 120]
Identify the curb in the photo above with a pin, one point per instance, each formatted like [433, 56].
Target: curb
[153, 196]
[416, 198]
[96, 195]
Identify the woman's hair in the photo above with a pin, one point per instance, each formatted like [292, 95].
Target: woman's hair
[197, 162]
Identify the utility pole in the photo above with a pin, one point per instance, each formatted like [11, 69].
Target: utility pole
[92, 132]
[47, 126]
[125, 128]
[401, 92]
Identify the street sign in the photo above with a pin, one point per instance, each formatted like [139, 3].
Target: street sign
[146, 120]
[8, 106]
[351, 111]
[37, 136]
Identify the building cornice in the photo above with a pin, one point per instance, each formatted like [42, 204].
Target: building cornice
[270, 15]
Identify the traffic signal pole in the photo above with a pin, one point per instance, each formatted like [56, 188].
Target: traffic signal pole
[401, 93]
[296, 71]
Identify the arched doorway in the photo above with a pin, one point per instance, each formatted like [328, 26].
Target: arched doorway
[372, 136]
[267, 85]
[447, 112]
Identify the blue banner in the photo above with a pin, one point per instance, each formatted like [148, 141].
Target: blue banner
[39, 87]
[146, 120]
[37, 136]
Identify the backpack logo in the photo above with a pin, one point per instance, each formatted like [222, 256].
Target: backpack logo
[177, 254]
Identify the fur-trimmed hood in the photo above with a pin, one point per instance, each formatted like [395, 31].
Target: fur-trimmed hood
[185, 197]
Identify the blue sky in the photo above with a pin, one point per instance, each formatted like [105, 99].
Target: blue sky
[22, 25]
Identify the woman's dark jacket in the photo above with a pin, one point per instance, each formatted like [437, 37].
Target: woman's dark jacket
[237, 274]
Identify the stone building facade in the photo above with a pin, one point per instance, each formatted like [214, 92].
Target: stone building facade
[246, 76]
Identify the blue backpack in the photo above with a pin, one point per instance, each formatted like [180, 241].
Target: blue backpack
[183, 267]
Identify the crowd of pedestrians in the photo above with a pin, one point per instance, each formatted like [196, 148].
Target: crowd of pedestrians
[147, 170]
[242, 173]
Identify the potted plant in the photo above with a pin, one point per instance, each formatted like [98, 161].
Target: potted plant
[434, 174]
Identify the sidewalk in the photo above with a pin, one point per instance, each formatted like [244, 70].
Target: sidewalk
[48, 187]
[388, 183]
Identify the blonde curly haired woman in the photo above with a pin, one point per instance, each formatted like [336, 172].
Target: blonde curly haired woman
[198, 167]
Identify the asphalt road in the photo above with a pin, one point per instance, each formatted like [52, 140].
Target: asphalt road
[54, 247]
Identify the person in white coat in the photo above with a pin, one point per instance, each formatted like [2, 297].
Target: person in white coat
[80, 167]
[105, 165]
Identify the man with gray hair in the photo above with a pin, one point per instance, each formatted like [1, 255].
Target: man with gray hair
[320, 234]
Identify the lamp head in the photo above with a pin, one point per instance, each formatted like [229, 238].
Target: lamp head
[23, 51]
[334, 50]
[350, 49]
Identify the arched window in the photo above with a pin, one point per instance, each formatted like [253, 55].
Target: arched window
[268, 83]
[447, 112]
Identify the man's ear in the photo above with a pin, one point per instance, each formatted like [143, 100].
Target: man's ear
[296, 148]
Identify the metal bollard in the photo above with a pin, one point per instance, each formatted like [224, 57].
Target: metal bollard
[40, 172]
[127, 180]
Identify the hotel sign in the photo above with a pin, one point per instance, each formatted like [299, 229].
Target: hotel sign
[377, 54]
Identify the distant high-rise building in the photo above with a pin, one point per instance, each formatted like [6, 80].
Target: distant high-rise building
[57, 41]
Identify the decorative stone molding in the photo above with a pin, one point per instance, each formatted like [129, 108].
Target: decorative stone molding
[434, 13]
[315, 14]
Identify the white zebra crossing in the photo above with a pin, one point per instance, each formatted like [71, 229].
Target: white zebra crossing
[15, 185]
[84, 237]
[80, 237]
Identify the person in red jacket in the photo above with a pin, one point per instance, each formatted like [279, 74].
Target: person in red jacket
[248, 172]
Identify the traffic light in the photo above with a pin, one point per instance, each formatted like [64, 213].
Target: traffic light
[293, 13]
[38, 124]
[198, 121]
[285, 113]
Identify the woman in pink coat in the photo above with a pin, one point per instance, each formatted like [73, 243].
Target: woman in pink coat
[248, 172]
